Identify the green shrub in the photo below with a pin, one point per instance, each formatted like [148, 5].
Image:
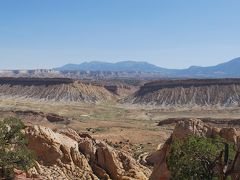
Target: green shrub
[197, 157]
[13, 148]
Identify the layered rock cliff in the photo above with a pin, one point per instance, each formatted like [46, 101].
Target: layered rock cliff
[191, 92]
[68, 155]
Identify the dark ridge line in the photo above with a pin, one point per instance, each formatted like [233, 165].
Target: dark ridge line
[34, 81]
[217, 121]
[193, 82]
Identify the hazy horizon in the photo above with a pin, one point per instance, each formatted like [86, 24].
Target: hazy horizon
[170, 34]
[114, 63]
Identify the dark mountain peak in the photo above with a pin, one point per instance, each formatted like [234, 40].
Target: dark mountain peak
[93, 62]
[194, 67]
[132, 62]
[235, 61]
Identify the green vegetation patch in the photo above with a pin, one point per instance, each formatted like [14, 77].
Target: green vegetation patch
[200, 158]
[13, 148]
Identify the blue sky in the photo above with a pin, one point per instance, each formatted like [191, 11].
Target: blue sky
[168, 33]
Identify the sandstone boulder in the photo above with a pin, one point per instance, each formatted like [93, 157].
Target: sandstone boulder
[67, 155]
[53, 148]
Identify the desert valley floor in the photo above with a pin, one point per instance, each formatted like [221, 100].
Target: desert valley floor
[125, 125]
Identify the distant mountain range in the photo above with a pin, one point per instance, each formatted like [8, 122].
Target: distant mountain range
[228, 69]
[125, 66]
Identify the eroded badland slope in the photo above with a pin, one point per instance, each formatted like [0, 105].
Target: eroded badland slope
[55, 89]
[192, 92]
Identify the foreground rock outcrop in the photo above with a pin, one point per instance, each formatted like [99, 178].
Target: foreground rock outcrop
[182, 130]
[68, 155]
[189, 92]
